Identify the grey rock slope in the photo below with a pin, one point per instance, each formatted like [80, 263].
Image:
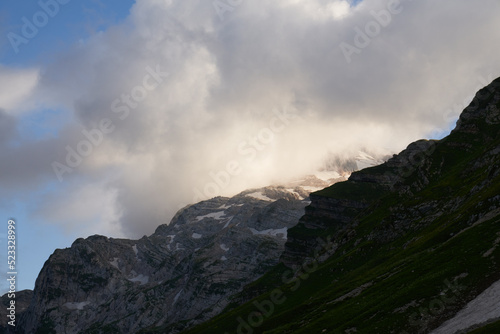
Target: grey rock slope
[338, 209]
[22, 300]
[181, 275]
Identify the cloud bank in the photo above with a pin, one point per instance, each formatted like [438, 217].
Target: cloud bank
[189, 99]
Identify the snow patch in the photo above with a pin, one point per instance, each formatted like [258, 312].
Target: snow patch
[223, 258]
[214, 215]
[176, 297]
[224, 207]
[364, 160]
[271, 232]
[312, 189]
[114, 263]
[224, 247]
[228, 221]
[492, 249]
[354, 293]
[136, 251]
[76, 305]
[140, 278]
[484, 307]
[292, 191]
[327, 175]
[170, 241]
[196, 236]
[261, 196]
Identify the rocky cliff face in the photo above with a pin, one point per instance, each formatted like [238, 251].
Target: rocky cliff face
[22, 301]
[389, 224]
[335, 210]
[181, 275]
[409, 246]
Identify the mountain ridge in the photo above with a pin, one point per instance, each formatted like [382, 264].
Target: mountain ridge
[415, 240]
[208, 251]
[376, 253]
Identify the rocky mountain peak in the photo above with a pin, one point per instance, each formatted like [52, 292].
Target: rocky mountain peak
[335, 209]
[484, 107]
[186, 272]
[182, 274]
[408, 246]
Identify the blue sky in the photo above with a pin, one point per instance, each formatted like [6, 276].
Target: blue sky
[206, 84]
[75, 21]
[72, 22]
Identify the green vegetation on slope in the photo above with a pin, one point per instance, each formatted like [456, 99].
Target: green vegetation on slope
[412, 260]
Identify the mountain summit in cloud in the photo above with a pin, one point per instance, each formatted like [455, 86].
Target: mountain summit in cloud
[408, 246]
[147, 106]
[412, 242]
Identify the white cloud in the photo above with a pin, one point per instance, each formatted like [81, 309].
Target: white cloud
[226, 79]
[86, 209]
[321, 10]
[16, 86]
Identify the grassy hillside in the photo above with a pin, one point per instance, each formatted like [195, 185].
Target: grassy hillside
[421, 250]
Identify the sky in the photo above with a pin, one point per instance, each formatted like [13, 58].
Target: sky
[114, 115]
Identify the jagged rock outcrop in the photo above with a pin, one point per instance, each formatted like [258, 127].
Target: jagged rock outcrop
[181, 275]
[334, 211]
[409, 246]
[423, 199]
